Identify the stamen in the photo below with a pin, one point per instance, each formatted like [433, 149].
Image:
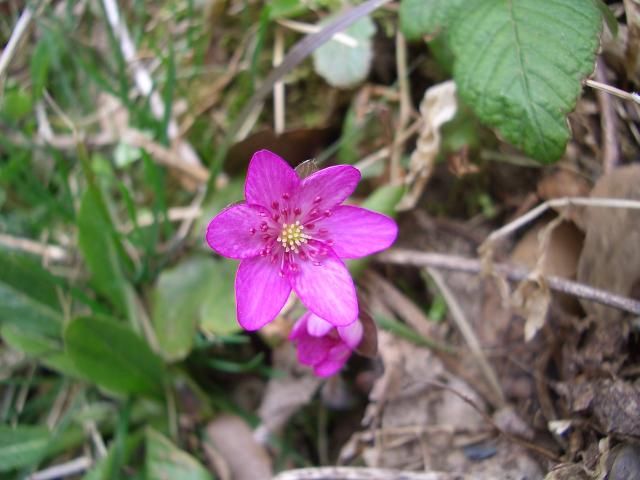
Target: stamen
[292, 236]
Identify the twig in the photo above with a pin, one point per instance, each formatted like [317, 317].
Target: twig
[278, 88]
[18, 31]
[560, 202]
[467, 332]
[302, 27]
[405, 107]
[64, 470]
[51, 252]
[511, 272]
[384, 152]
[608, 122]
[361, 473]
[165, 156]
[633, 96]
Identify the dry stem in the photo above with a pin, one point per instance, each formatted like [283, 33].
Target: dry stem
[513, 273]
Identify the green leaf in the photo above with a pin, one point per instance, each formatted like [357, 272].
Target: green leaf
[40, 60]
[48, 350]
[16, 104]
[519, 65]
[22, 446]
[198, 291]
[100, 249]
[285, 8]
[345, 65]
[424, 17]
[114, 357]
[28, 295]
[164, 460]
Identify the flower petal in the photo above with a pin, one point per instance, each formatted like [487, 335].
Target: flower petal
[326, 288]
[327, 188]
[269, 177]
[316, 326]
[352, 334]
[354, 232]
[299, 329]
[334, 361]
[235, 232]
[313, 350]
[261, 292]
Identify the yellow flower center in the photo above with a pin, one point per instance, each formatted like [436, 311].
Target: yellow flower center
[292, 237]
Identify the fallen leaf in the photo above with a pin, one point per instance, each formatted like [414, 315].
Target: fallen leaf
[286, 393]
[610, 259]
[233, 440]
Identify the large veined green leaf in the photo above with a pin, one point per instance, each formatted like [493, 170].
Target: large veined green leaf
[164, 460]
[197, 292]
[423, 17]
[114, 357]
[519, 65]
[22, 446]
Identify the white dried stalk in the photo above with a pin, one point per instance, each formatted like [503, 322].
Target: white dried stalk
[438, 106]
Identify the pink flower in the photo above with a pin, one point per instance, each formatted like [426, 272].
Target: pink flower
[322, 346]
[292, 233]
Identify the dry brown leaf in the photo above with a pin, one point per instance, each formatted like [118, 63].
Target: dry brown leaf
[610, 259]
[285, 394]
[229, 438]
[438, 106]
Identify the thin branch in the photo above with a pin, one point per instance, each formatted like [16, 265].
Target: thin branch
[633, 96]
[51, 252]
[278, 88]
[384, 152]
[511, 272]
[609, 125]
[560, 202]
[360, 473]
[18, 31]
[64, 470]
[302, 27]
[405, 108]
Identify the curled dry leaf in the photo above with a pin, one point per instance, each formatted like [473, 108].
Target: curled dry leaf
[531, 300]
[560, 256]
[438, 106]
